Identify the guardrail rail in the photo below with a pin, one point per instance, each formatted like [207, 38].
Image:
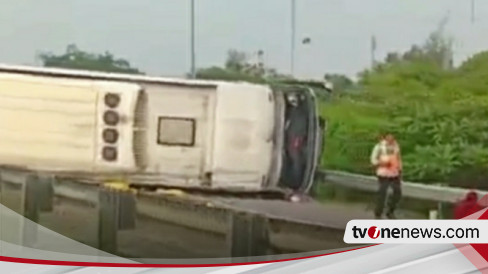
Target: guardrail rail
[430, 192]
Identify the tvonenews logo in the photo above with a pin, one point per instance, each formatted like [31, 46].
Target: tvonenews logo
[416, 231]
[373, 232]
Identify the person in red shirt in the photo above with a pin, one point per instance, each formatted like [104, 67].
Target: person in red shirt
[467, 206]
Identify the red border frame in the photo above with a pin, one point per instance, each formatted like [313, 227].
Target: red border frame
[141, 265]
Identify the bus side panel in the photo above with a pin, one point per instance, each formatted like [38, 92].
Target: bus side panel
[180, 135]
[243, 137]
[125, 127]
[44, 124]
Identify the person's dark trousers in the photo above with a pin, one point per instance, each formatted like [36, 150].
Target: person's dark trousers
[384, 184]
[297, 161]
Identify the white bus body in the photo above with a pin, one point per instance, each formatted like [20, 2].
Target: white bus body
[169, 132]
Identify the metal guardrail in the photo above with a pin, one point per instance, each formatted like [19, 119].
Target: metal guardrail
[286, 234]
[431, 192]
[436, 193]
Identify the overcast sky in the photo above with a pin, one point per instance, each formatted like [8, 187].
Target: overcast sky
[154, 34]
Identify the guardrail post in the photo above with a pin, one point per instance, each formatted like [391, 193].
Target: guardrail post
[31, 200]
[440, 205]
[32, 206]
[247, 235]
[116, 211]
[107, 220]
[127, 210]
[45, 193]
[433, 214]
[38, 197]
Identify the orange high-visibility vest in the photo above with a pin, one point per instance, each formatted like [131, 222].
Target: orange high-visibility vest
[384, 153]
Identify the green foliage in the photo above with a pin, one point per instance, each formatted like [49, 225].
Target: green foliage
[217, 73]
[437, 50]
[75, 58]
[439, 115]
[341, 82]
[239, 66]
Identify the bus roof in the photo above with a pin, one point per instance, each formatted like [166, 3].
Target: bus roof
[75, 73]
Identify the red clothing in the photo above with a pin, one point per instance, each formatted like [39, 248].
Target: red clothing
[469, 205]
[296, 144]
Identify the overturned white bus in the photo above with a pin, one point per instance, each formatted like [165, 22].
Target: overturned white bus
[159, 131]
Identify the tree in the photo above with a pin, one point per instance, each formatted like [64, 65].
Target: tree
[239, 67]
[341, 82]
[393, 57]
[416, 53]
[236, 60]
[74, 58]
[439, 47]
[218, 73]
[437, 50]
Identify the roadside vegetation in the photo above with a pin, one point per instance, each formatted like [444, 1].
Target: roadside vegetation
[437, 112]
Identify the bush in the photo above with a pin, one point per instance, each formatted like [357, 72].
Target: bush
[439, 117]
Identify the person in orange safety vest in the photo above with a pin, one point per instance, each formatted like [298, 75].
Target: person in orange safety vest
[386, 158]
